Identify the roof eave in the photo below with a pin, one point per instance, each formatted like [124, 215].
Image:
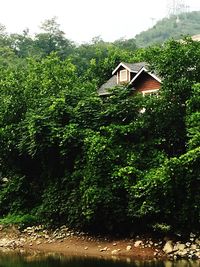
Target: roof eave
[121, 65]
[145, 70]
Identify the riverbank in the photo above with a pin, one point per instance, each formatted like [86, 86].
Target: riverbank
[74, 243]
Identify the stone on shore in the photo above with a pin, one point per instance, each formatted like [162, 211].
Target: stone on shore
[168, 247]
[138, 243]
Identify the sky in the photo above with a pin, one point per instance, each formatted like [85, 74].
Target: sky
[81, 20]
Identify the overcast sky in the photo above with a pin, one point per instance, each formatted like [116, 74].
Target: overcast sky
[81, 20]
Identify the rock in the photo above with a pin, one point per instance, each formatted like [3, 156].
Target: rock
[9, 243]
[179, 247]
[188, 244]
[38, 242]
[193, 246]
[39, 227]
[192, 235]
[64, 227]
[168, 247]
[58, 237]
[114, 252]
[12, 244]
[30, 229]
[22, 240]
[182, 253]
[103, 249]
[197, 255]
[138, 243]
[3, 242]
[128, 248]
[114, 244]
[86, 248]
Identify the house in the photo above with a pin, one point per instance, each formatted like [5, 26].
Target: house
[135, 75]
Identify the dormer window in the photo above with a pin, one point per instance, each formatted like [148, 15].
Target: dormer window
[123, 77]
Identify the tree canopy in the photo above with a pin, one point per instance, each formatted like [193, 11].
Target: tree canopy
[68, 156]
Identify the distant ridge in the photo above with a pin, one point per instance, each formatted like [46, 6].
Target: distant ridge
[173, 27]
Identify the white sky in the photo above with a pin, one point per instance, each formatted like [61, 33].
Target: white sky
[82, 20]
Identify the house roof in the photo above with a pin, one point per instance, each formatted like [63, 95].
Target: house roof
[143, 69]
[132, 67]
[137, 68]
[112, 82]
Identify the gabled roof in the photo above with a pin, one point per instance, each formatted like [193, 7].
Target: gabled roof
[112, 82]
[143, 69]
[136, 68]
[132, 67]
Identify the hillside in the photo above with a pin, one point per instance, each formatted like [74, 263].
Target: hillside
[173, 27]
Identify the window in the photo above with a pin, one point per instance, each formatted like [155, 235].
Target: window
[150, 92]
[123, 76]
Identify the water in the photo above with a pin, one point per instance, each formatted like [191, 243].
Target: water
[56, 260]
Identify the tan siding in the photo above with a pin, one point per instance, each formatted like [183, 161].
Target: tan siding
[128, 76]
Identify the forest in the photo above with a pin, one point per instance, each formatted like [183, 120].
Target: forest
[174, 26]
[68, 156]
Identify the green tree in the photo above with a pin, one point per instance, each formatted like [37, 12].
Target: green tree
[178, 64]
[23, 45]
[193, 118]
[52, 39]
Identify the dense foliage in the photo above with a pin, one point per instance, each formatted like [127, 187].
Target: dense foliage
[68, 156]
[173, 27]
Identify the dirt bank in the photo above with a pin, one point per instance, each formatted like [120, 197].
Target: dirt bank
[72, 243]
[95, 248]
[68, 242]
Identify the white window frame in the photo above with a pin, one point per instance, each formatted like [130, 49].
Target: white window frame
[149, 92]
[120, 76]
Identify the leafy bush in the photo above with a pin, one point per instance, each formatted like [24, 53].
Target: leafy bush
[161, 228]
[20, 220]
[169, 194]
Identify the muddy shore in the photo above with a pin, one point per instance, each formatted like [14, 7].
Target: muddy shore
[74, 243]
